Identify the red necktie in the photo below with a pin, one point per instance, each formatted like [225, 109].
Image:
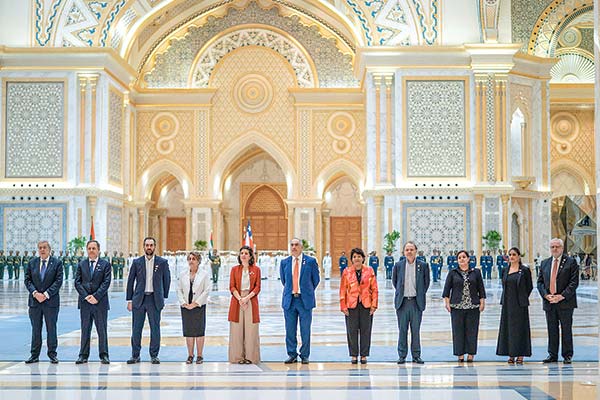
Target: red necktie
[553, 276]
[296, 276]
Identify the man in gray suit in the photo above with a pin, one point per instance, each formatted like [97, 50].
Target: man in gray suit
[410, 278]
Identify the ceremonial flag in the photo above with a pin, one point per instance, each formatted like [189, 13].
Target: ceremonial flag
[92, 234]
[248, 237]
[212, 245]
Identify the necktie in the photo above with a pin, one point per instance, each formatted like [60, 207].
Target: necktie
[92, 267]
[43, 270]
[553, 276]
[296, 276]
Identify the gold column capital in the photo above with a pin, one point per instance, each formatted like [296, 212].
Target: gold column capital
[378, 201]
[479, 200]
[505, 198]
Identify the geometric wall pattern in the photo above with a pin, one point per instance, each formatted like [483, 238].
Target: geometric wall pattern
[442, 226]
[172, 67]
[435, 128]
[114, 218]
[252, 76]
[165, 135]
[22, 226]
[338, 135]
[35, 122]
[115, 136]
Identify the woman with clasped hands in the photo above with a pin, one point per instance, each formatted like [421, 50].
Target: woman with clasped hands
[192, 292]
[358, 302]
[464, 298]
[244, 285]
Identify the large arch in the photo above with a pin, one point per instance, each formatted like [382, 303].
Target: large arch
[574, 169]
[233, 151]
[333, 172]
[155, 172]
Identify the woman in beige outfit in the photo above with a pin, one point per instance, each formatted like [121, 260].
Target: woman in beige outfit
[244, 285]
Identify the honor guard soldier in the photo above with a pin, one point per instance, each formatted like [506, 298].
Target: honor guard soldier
[121, 265]
[2, 264]
[343, 262]
[9, 264]
[25, 260]
[436, 263]
[472, 259]
[66, 261]
[499, 263]
[76, 260]
[486, 262]
[450, 261]
[388, 262]
[17, 263]
[215, 265]
[374, 262]
[114, 262]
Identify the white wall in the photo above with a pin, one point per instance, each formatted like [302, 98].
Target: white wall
[15, 23]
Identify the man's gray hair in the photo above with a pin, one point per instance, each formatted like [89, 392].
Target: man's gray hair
[562, 244]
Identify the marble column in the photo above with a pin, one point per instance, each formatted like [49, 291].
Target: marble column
[479, 224]
[505, 220]
[327, 229]
[142, 233]
[226, 225]
[378, 201]
[291, 225]
[188, 228]
[91, 201]
[319, 235]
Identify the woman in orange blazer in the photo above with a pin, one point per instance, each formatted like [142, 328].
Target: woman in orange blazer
[358, 302]
[244, 285]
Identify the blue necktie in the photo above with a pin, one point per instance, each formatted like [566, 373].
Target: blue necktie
[43, 270]
[92, 268]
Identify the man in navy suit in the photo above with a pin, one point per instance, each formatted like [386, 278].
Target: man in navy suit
[92, 280]
[410, 278]
[557, 284]
[147, 288]
[43, 279]
[299, 274]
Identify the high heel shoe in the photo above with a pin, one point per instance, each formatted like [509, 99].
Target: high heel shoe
[520, 360]
[511, 360]
[189, 360]
[461, 359]
[199, 360]
[363, 360]
[354, 361]
[470, 359]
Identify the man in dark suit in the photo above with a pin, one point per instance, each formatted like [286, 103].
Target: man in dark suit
[299, 274]
[92, 280]
[557, 284]
[43, 279]
[147, 288]
[410, 278]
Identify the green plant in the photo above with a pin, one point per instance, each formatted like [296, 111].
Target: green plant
[200, 245]
[390, 241]
[77, 244]
[307, 246]
[492, 240]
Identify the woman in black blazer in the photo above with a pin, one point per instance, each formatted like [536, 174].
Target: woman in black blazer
[464, 298]
[514, 335]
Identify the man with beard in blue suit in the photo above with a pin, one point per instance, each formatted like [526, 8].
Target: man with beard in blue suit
[147, 288]
[43, 279]
[92, 280]
[299, 274]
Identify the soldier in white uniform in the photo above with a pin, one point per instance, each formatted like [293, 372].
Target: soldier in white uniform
[327, 265]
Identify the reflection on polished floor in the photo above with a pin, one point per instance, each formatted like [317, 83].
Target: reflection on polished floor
[329, 375]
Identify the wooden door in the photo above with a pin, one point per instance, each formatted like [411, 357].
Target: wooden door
[176, 234]
[267, 214]
[345, 234]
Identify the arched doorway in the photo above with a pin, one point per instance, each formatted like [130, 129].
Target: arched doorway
[167, 221]
[267, 213]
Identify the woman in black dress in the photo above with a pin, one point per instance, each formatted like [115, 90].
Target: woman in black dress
[192, 292]
[514, 336]
[464, 298]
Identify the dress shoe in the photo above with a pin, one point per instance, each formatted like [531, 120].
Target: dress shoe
[32, 360]
[418, 360]
[567, 360]
[81, 360]
[549, 360]
[53, 359]
[104, 360]
[305, 361]
[155, 360]
[133, 360]
[291, 360]
[400, 361]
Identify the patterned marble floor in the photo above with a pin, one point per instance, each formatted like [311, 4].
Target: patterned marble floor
[440, 378]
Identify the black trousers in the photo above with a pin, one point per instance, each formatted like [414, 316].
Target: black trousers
[358, 330]
[91, 313]
[554, 316]
[465, 329]
[139, 317]
[38, 315]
